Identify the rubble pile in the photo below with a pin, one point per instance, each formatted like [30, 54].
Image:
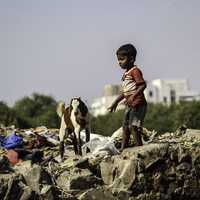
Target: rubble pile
[167, 166]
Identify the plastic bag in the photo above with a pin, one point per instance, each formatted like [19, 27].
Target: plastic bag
[99, 143]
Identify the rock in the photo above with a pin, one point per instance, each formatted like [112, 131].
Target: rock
[77, 179]
[160, 183]
[47, 192]
[119, 173]
[149, 152]
[28, 194]
[83, 163]
[169, 170]
[5, 166]
[197, 166]
[10, 187]
[35, 176]
[107, 170]
[183, 168]
[157, 164]
[193, 133]
[98, 194]
[181, 130]
[185, 157]
[125, 176]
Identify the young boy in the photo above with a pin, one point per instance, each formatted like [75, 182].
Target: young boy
[133, 86]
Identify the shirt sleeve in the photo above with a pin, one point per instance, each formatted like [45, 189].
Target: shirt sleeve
[138, 76]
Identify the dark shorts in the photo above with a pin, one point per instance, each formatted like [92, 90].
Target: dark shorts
[134, 116]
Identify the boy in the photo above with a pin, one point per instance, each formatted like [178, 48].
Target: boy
[133, 86]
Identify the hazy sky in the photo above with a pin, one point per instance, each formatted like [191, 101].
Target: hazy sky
[66, 48]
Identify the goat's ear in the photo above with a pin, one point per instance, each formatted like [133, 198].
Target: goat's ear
[79, 98]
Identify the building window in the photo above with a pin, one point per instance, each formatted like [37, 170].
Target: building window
[150, 93]
[173, 96]
[165, 99]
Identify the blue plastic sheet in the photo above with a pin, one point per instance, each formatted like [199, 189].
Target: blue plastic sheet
[11, 142]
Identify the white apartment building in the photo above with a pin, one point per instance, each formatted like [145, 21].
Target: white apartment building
[169, 91]
[157, 91]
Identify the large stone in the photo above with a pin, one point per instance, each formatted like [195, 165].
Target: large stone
[195, 133]
[35, 176]
[11, 186]
[119, 172]
[28, 194]
[4, 179]
[63, 180]
[77, 179]
[149, 152]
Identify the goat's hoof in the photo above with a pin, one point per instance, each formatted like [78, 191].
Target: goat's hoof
[87, 150]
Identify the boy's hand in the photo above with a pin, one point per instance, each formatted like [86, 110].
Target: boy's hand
[113, 107]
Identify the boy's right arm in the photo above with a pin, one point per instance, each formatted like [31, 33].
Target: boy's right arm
[113, 107]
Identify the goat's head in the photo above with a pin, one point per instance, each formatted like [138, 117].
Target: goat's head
[78, 106]
[75, 102]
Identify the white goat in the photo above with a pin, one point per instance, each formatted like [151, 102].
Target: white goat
[74, 118]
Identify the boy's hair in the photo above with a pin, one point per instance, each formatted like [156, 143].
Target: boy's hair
[127, 50]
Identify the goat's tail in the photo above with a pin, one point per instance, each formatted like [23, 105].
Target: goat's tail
[60, 108]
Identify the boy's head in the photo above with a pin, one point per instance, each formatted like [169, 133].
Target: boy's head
[126, 55]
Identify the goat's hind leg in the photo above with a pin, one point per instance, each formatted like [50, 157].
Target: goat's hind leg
[62, 132]
[75, 144]
[87, 132]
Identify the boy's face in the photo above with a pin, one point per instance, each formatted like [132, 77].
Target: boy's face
[124, 61]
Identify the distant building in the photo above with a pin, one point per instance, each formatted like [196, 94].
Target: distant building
[100, 105]
[170, 91]
[157, 91]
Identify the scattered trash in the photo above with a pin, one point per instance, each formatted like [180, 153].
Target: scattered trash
[167, 166]
[11, 142]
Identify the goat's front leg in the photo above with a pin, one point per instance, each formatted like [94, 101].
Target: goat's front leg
[87, 134]
[74, 141]
[78, 136]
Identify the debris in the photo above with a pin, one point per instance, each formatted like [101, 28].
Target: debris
[166, 167]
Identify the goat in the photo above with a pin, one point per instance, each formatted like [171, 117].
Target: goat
[74, 119]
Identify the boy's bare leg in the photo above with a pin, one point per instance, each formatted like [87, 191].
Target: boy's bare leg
[137, 133]
[125, 138]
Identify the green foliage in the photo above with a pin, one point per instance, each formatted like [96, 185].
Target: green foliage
[107, 124]
[35, 111]
[7, 115]
[188, 113]
[159, 117]
[38, 110]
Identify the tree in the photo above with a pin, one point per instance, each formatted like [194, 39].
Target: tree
[159, 118]
[187, 113]
[107, 124]
[7, 116]
[36, 110]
